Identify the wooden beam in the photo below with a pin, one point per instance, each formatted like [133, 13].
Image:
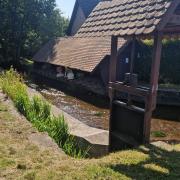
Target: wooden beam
[113, 59]
[155, 68]
[133, 48]
[151, 99]
[175, 19]
[132, 55]
[171, 29]
[168, 14]
[119, 86]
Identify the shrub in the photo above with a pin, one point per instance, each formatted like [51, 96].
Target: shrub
[38, 112]
[170, 64]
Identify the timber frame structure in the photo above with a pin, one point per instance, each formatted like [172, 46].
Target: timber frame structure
[150, 95]
[161, 19]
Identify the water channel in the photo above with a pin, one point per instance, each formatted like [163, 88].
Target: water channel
[94, 111]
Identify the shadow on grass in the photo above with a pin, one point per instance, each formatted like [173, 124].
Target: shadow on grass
[161, 164]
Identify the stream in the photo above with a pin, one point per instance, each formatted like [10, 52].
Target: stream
[94, 111]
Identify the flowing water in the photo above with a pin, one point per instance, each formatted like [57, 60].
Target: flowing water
[94, 111]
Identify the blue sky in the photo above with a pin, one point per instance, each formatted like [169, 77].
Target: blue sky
[66, 6]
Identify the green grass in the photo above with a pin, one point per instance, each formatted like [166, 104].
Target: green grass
[3, 108]
[5, 162]
[170, 86]
[158, 134]
[20, 159]
[38, 112]
[98, 114]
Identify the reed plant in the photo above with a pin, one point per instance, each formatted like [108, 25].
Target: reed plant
[38, 112]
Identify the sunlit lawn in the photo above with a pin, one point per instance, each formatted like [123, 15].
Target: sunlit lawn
[20, 159]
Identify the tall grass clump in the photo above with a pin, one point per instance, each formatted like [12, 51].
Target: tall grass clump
[59, 131]
[39, 109]
[38, 112]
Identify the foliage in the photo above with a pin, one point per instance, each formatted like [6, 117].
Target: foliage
[40, 108]
[158, 134]
[26, 25]
[59, 129]
[72, 147]
[38, 112]
[170, 64]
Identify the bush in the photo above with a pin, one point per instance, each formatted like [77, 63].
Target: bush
[170, 64]
[38, 112]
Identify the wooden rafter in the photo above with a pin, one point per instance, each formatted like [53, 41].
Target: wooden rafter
[171, 30]
[175, 19]
[169, 14]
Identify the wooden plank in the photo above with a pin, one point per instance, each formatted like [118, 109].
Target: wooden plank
[125, 138]
[171, 29]
[132, 107]
[129, 89]
[175, 19]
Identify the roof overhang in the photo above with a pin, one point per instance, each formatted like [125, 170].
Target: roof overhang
[168, 23]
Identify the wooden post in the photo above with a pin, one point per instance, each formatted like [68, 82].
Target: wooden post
[133, 48]
[113, 59]
[151, 99]
[155, 69]
[112, 78]
[113, 64]
[132, 55]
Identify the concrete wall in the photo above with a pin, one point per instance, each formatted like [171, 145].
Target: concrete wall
[79, 20]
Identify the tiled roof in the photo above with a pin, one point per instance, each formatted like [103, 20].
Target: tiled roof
[77, 53]
[86, 5]
[124, 17]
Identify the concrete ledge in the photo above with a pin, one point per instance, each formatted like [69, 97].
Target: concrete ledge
[96, 139]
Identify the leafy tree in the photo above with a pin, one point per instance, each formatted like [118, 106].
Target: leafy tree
[26, 25]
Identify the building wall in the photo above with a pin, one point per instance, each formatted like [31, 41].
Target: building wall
[79, 20]
[123, 66]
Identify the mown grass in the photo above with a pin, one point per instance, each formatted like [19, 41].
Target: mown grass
[38, 112]
[20, 159]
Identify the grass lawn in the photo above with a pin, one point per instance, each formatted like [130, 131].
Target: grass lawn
[21, 159]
